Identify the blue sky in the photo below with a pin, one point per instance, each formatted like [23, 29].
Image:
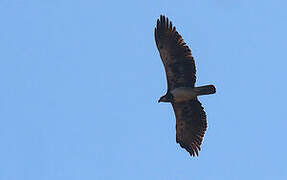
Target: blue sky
[80, 82]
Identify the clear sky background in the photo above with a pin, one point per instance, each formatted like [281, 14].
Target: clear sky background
[80, 82]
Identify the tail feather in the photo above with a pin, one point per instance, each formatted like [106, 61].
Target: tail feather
[204, 90]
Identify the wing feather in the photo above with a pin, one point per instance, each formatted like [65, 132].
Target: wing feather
[191, 125]
[175, 54]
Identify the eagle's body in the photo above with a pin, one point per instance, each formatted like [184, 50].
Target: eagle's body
[183, 94]
[180, 70]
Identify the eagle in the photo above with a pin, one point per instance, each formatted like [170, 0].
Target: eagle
[180, 69]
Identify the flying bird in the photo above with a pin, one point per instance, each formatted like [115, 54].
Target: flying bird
[180, 69]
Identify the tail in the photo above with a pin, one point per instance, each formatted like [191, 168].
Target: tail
[204, 90]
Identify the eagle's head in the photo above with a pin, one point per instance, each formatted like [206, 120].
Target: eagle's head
[166, 98]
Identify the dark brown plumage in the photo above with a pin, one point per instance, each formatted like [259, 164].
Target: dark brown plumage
[175, 54]
[180, 71]
[191, 125]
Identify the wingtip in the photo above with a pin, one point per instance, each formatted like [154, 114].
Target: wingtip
[163, 18]
[193, 149]
[164, 22]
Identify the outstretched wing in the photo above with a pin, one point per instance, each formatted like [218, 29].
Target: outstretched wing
[175, 54]
[191, 125]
